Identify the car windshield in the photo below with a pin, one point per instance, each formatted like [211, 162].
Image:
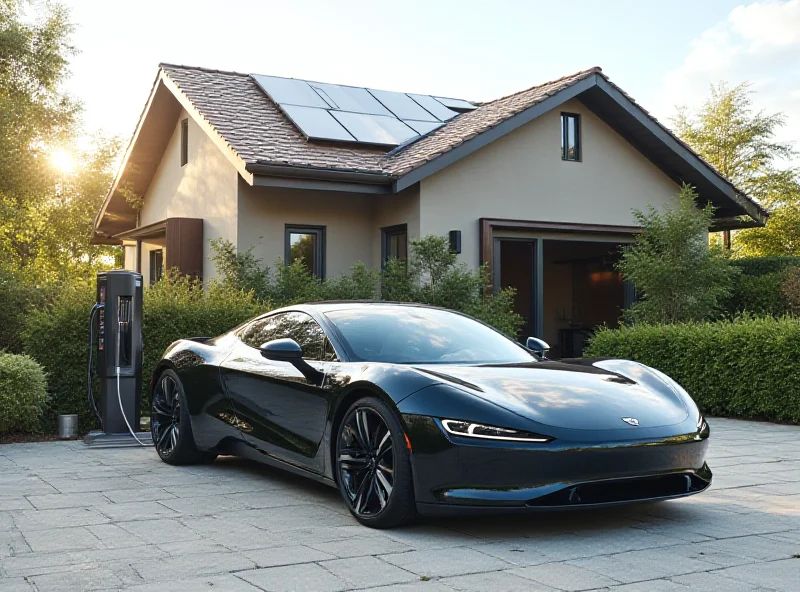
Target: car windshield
[415, 335]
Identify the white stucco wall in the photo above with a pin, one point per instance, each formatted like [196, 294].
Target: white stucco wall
[521, 176]
[264, 213]
[206, 187]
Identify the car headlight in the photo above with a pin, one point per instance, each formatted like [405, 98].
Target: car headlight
[479, 430]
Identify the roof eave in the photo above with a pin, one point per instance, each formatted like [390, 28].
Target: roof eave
[324, 179]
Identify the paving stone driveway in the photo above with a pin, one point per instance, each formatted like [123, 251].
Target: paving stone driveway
[78, 519]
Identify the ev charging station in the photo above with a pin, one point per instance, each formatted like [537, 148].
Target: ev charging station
[115, 354]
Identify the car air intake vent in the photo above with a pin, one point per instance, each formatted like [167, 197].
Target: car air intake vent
[622, 490]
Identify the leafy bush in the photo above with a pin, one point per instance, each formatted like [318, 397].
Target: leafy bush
[431, 276]
[758, 290]
[758, 266]
[57, 336]
[23, 392]
[790, 290]
[677, 276]
[747, 367]
[758, 295]
[16, 298]
[178, 307]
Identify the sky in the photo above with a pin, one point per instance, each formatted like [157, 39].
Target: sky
[662, 52]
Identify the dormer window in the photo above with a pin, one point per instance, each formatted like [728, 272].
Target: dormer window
[571, 137]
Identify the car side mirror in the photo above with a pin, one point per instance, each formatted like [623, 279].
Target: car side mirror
[282, 350]
[288, 350]
[537, 346]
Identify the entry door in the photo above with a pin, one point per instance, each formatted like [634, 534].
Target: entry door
[279, 410]
[516, 264]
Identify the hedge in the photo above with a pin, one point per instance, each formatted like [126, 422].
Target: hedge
[57, 336]
[758, 289]
[745, 368]
[23, 391]
[757, 266]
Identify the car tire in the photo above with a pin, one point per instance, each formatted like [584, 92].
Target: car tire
[363, 465]
[171, 427]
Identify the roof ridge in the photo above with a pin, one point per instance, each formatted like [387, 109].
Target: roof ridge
[579, 73]
[165, 65]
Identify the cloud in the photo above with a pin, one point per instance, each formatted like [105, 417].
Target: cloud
[758, 43]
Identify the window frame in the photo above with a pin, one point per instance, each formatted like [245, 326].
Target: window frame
[565, 116]
[319, 250]
[184, 142]
[155, 277]
[387, 232]
[327, 344]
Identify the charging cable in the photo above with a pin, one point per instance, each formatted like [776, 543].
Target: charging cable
[119, 391]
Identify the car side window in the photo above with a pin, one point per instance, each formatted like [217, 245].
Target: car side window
[293, 325]
[259, 332]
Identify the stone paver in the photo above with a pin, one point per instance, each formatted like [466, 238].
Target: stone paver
[78, 519]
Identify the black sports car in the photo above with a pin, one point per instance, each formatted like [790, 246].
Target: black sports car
[411, 409]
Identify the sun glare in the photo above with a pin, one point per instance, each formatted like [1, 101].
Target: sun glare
[62, 160]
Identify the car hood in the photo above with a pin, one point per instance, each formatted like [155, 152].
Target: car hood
[571, 396]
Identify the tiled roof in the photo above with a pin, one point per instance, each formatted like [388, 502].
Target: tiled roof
[260, 133]
[468, 125]
[257, 130]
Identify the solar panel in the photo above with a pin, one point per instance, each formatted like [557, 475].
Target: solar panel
[422, 127]
[349, 98]
[402, 105]
[290, 91]
[352, 114]
[317, 123]
[456, 104]
[433, 106]
[375, 129]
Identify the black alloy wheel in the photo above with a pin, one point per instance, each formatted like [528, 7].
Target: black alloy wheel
[165, 419]
[170, 424]
[373, 465]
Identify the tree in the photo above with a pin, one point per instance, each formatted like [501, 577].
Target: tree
[45, 215]
[741, 144]
[677, 275]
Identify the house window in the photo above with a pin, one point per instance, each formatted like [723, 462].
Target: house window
[306, 244]
[184, 142]
[156, 265]
[394, 243]
[570, 137]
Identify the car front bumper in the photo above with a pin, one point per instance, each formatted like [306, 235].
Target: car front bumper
[455, 475]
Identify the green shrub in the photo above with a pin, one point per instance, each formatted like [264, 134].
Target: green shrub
[677, 276]
[790, 290]
[431, 276]
[57, 337]
[758, 266]
[179, 307]
[16, 298]
[758, 295]
[747, 367]
[23, 393]
[758, 289]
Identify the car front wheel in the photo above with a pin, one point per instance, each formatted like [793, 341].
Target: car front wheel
[170, 424]
[373, 465]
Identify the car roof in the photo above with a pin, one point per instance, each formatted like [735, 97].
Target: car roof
[332, 305]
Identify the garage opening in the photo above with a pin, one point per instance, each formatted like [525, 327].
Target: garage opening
[577, 289]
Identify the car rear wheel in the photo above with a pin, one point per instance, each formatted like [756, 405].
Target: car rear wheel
[170, 424]
[373, 465]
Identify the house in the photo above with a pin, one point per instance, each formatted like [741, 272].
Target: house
[539, 185]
